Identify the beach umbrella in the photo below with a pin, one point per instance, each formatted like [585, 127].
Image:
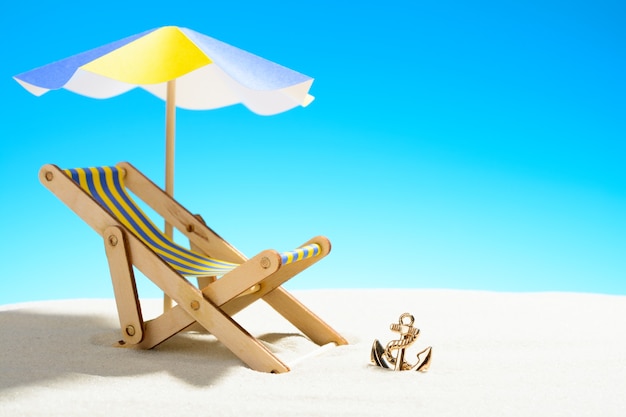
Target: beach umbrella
[185, 68]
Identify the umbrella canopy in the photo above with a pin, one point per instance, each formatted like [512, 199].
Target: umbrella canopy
[209, 73]
[186, 68]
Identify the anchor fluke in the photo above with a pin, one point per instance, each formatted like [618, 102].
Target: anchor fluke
[378, 355]
[423, 360]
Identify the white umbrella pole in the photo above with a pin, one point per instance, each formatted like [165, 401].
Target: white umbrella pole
[170, 137]
[170, 144]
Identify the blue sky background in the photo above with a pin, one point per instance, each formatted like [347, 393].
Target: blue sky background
[473, 145]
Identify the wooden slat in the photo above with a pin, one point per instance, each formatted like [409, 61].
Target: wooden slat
[124, 287]
[165, 326]
[76, 199]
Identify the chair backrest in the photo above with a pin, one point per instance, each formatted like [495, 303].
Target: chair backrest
[106, 186]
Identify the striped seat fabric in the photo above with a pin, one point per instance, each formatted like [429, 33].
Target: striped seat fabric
[106, 186]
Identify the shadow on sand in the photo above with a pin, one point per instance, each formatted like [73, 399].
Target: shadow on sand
[39, 346]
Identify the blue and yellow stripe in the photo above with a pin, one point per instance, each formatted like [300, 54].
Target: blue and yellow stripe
[106, 186]
[299, 254]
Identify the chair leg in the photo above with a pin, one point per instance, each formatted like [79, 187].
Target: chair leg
[124, 286]
[241, 343]
[303, 318]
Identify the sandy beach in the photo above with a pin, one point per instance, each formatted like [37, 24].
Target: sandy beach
[494, 354]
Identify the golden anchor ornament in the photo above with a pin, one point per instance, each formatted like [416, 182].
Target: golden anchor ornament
[385, 358]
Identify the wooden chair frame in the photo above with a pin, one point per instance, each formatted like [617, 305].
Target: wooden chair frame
[214, 303]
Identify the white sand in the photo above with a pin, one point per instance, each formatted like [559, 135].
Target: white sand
[494, 354]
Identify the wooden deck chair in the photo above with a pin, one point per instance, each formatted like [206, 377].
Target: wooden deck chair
[99, 196]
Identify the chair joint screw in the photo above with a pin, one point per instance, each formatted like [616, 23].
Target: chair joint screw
[130, 330]
[113, 240]
[265, 262]
[49, 175]
[195, 305]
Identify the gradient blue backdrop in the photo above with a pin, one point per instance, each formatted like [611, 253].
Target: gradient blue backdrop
[475, 145]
